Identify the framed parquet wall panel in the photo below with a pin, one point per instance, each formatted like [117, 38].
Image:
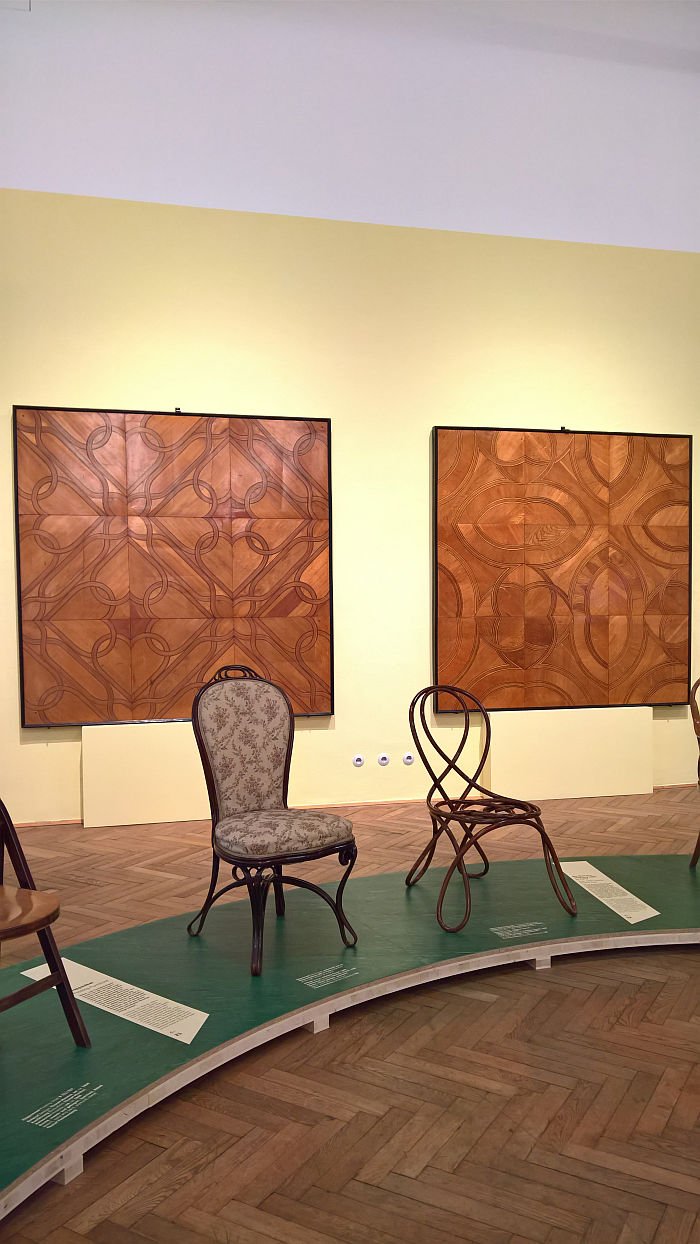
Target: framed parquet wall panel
[153, 548]
[562, 567]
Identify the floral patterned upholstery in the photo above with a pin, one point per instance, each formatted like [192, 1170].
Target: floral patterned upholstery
[287, 831]
[245, 727]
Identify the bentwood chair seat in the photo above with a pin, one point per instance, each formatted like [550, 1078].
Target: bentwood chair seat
[244, 727]
[466, 818]
[24, 910]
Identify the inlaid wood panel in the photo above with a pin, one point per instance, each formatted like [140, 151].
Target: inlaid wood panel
[562, 567]
[154, 548]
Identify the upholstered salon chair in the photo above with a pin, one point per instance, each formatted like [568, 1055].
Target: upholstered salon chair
[465, 819]
[695, 714]
[244, 726]
[23, 910]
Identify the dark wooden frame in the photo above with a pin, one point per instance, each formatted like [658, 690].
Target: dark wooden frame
[491, 811]
[261, 872]
[57, 977]
[544, 708]
[121, 410]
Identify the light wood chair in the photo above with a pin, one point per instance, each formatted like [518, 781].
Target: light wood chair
[23, 910]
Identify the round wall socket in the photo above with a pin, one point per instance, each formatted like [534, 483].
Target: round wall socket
[358, 761]
[382, 759]
[408, 758]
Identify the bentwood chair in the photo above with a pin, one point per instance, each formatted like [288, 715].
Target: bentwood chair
[695, 714]
[244, 727]
[23, 910]
[475, 812]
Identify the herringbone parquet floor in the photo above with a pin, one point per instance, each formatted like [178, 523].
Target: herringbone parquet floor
[559, 1106]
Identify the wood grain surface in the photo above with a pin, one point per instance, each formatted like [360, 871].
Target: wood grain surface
[562, 574]
[154, 548]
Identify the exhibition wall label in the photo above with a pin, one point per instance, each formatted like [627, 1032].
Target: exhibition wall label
[154, 548]
[562, 567]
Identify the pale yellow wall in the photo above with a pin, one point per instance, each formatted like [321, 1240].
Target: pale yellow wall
[555, 755]
[384, 330]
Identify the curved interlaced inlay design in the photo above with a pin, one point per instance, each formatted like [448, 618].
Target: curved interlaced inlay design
[466, 818]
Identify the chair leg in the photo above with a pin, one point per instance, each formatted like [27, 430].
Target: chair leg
[554, 869]
[347, 855]
[422, 864]
[258, 884]
[202, 914]
[466, 845]
[63, 989]
[279, 889]
[696, 853]
[457, 865]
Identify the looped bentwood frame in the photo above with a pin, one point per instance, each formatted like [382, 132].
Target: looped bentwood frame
[475, 812]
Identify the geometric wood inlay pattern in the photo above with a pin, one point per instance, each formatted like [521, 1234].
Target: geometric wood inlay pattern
[562, 567]
[154, 548]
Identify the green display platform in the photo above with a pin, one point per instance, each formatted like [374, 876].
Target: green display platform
[58, 1101]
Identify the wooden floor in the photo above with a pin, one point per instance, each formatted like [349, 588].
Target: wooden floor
[558, 1106]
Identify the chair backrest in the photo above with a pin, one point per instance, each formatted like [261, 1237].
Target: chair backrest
[439, 764]
[244, 726]
[10, 843]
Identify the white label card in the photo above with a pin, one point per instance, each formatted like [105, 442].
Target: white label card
[607, 891]
[172, 1019]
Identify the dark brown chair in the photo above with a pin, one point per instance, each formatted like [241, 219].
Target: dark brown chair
[244, 727]
[695, 714]
[24, 909]
[475, 812]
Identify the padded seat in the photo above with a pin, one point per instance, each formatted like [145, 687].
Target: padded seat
[280, 832]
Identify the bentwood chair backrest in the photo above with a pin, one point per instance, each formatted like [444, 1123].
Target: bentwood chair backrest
[440, 765]
[244, 726]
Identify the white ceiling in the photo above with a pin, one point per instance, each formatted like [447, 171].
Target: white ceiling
[665, 33]
[566, 119]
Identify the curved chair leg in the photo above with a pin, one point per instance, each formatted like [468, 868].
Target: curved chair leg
[196, 924]
[258, 885]
[466, 845]
[457, 865]
[425, 858]
[554, 869]
[347, 856]
[279, 889]
[204, 910]
[696, 853]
